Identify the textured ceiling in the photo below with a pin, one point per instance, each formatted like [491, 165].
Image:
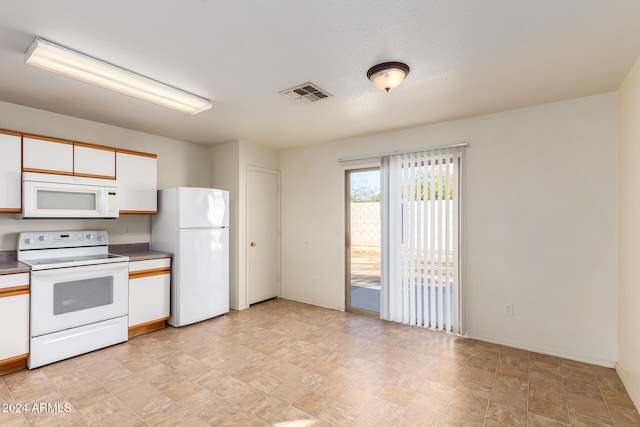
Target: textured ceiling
[467, 58]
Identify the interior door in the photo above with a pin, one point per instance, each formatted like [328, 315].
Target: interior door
[263, 232]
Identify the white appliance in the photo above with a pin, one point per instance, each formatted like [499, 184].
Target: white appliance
[193, 225]
[79, 293]
[63, 196]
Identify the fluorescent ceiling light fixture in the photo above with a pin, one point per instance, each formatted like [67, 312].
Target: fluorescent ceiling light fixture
[70, 63]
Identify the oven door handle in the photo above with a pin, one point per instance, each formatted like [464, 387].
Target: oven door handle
[80, 269]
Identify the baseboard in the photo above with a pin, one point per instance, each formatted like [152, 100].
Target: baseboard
[599, 362]
[310, 303]
[633, 393]
[151, 326]
[13, 364]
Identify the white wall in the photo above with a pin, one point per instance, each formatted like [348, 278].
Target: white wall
[540, 223]
[179, 164]
[225, 172]
[229, 172]
[629, 233]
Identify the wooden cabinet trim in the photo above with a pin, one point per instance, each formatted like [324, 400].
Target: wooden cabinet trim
[14, 291]
[10, 210]
[13, 364]
[143, 328]
[48, 138]
[95, 146]
[88, 175]
[149, 273]
[10, 132]
[131, 212]
[136, 153]
[47, 171]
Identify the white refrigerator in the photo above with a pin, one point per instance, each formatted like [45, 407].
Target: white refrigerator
[193, 225]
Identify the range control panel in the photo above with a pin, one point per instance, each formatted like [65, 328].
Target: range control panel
[62, 239]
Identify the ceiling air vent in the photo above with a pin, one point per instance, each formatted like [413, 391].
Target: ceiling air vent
[306, 93]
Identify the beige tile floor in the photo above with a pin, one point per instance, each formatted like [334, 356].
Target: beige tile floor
[293, 365]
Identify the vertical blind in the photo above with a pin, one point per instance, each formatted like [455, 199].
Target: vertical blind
[420, 238]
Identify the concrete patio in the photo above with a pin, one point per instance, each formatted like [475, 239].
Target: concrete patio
[365, 279]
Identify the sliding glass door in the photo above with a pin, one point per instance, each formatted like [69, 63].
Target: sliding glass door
[363, 241]
[403, 239]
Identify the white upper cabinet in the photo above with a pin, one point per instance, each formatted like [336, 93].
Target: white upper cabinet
[94, 161]
[137, 181]
[135, 172]
[70, 158]
[10, 168]
[47, 155]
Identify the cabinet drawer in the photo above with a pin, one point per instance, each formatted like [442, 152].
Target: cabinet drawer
[13, 280]
[150, 264]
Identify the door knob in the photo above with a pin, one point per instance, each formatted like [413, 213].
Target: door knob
[253, 243]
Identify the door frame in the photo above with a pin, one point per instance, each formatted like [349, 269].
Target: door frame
[347, 235]
[248, 230]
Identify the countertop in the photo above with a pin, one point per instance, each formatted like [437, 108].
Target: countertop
[10, 265]
[136, 252]
[13, 267]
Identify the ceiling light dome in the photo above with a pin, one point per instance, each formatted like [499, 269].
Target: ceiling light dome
[388, 76]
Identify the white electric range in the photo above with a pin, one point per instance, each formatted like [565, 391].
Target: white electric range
[79, 293]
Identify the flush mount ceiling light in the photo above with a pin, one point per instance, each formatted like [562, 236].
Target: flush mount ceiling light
[70, 63]
[388, 76]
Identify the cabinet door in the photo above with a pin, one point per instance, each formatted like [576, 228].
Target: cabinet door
[138, 182]
[148, 290]
[14, 315]
[10, 172]
[94, 161]
[47, 155]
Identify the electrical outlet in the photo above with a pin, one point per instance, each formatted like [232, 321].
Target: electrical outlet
[316, 280]
[126, 229]
[508, 309]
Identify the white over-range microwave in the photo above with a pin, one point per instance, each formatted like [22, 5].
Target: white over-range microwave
[62, 196]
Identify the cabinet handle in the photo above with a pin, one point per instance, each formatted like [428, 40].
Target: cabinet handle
[253, 243]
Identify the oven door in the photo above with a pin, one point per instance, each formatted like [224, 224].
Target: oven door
[65, 298]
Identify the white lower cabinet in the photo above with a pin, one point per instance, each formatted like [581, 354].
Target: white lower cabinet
[14, 318]
[149, 282]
